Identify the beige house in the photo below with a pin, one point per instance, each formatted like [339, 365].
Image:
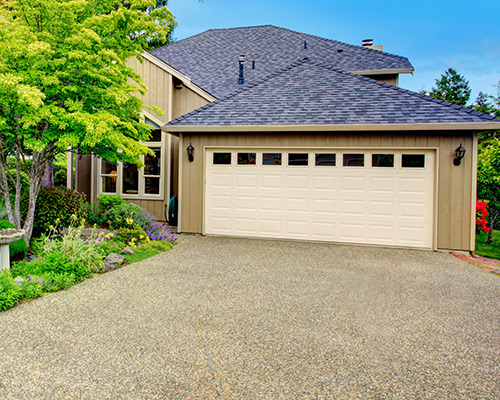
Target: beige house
[303, 138]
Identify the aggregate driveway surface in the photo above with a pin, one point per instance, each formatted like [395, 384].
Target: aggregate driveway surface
[253, 319]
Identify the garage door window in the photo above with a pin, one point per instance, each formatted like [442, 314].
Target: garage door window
[246, 158]
[354, 160]
[325, 160]
[383, 160]
[298, 159]
[271, 159]
[222, 158]
[413, 160]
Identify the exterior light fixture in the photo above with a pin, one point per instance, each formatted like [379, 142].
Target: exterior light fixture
[190, 151]
[460, 153]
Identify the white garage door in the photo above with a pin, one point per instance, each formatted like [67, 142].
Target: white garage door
[382, 197]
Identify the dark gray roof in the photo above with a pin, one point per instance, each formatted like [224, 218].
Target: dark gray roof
[309, 93]
[210, 59]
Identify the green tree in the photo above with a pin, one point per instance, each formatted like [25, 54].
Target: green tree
[64, 83]
[452, 87]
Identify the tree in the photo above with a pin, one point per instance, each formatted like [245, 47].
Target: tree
[64, 83]
[452, 87]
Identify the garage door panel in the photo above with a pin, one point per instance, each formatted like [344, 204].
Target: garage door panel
[367, 205]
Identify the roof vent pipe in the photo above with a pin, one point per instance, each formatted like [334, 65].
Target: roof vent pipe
[305, 44]
[241, 79]
[253, 64]
[367, 42]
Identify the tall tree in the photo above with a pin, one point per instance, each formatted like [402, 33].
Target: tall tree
[64, 83]
[452, 87]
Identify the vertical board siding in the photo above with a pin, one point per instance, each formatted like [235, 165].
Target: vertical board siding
[454, 226]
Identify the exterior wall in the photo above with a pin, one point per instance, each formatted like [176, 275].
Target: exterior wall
[455, 184]
[185, 101]
[389, 79]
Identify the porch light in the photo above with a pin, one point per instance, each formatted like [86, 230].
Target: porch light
[190, 151]
[460, 153]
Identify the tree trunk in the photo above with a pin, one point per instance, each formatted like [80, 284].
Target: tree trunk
[493, 218]
[48, 176]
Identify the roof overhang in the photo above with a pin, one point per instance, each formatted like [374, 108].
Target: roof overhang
[186, 81]
[384, 71]
[453, 126]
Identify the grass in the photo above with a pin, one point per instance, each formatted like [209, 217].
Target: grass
[140, 255]
[491, 250]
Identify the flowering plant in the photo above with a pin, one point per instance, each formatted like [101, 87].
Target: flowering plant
[154, 229]
[481, 214]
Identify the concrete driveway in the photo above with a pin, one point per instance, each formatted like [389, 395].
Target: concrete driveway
[252, 319]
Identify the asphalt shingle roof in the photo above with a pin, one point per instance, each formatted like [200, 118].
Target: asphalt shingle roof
[210, 59]
[310, 93]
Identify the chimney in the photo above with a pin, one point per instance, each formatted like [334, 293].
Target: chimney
[241, 79]
[369, 43]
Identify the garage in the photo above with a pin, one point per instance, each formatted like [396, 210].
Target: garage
[351, 195]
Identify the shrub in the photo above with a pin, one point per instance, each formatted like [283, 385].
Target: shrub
[107, 201]
[10, 293]
[93, 216]
[132, 236]
[154, 229]
[56, 205]
[60, 178]
[105, 244]
[122, 215]
[17, 249]
[31, 289]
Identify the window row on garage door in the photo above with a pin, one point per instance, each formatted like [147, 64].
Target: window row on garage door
[362, 196]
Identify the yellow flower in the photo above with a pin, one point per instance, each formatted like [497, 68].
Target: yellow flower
[141, 237]
[73, 216]
[57, 219]
[51, 226]
[83, 220]
[129, 221]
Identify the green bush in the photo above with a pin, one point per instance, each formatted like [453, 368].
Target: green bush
[17, 249]
[132, 237]
[107, 201]
[11, 164]
[93, 216]
[10, 293]
[118, 215]
[31, 289]
[60, 178]
[56, 205]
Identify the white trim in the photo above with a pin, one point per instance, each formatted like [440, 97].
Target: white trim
[69, 169]
[181, 178]
[436, 199]
[475, 148]
[384, 71]
[186, 81]
[453, 126]
[92, 178]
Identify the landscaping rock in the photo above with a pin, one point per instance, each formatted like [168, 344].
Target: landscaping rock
[128, 251]
[113, 261]
[37, 279]
[19, 281]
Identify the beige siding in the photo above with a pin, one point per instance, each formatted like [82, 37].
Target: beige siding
[185, 101]
[454, 183]
[155, 207]
[391, 79]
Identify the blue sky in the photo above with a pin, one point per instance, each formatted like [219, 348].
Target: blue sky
[434, 35]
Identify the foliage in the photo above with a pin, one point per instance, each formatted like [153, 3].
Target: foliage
[486, 248]
[122, 215]
[64, 82]
[452, 87]
[148, 250]
[93, 217]
[9, 291]
[17, 248]
[106, 202]
[58, 206]
[60, 178]
[132, 236]
[31, 289]
[481, 214]
[155, 229]
[105, 243]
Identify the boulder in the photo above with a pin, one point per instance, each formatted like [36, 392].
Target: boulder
[113, 261]
[127, 251]
[19, 281]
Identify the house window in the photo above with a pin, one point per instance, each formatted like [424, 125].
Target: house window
[271, 159]
[246, 158]
[325, 159]
[130, 181]
[383, 160]
[222, 158]
[413, 161]
[354, 160]
[298, 158]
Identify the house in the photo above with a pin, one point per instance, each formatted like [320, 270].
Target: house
[272, 133]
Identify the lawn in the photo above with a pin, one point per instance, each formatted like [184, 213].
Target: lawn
[488, 250]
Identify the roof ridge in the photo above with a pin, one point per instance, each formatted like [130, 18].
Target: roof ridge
[241, 90]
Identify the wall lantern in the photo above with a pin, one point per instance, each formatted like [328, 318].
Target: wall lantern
[190, 151]
[460, 152]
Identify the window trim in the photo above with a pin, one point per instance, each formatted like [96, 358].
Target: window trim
[142, 181]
